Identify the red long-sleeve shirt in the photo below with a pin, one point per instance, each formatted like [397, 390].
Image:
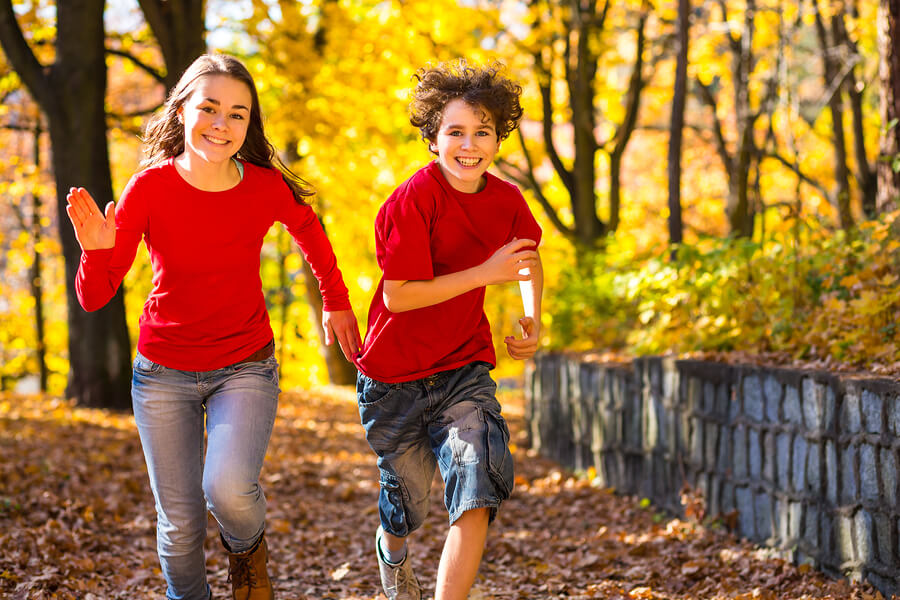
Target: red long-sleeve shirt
[206, 309]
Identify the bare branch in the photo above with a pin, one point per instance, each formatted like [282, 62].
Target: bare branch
[721, 145]
[154, 73]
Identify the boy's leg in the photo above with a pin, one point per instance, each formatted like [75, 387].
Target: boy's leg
[392, 415]
[462, 555]
[470, 438]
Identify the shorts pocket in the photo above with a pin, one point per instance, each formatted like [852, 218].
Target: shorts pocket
[370, 392]
[500, 461]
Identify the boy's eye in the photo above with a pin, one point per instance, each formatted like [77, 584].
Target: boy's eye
[482, 133]
[456, 133]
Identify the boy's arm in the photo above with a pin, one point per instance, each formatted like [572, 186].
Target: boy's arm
[506, 264]
[531, 289]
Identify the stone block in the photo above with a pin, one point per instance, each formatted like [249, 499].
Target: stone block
[740, 452]
[872, 408]
[753, 398]
[734, 405]
[850, 415]
[709, 397]
[792, 411]
[652, 436]
[893, 404]
[746, 521]
[772, 391]
[831, 473]
[826, 539]
[783, 460]
[798, 464]
[814, 474]
[868, 473]
[723, 400]
[883, 526]
[813, 404]
[889, 476]
[755, 454]
[782, 522]
[810, 531]
[695, 394]
[714, 499]
[865, 540]
[723, 462]
[762, 512]
[795, 516]
[727, 497]
[845, 538]
[849, 485]
[768, 451]
[711, 442]
[697, 442]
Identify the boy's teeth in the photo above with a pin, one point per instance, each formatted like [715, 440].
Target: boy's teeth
[468, 162]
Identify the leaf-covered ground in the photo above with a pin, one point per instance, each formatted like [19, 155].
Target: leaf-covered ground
[76, 520]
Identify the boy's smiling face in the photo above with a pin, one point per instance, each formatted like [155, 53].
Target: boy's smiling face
[466, 145]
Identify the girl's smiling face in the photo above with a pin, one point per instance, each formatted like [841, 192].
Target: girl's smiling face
[466, 144]
[215, 118]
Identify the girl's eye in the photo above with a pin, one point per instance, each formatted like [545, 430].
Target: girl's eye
[237, 116]
[207, 109]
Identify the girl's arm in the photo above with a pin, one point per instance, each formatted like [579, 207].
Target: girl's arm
[106, 255]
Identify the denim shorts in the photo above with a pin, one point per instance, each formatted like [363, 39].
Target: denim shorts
[450, 420]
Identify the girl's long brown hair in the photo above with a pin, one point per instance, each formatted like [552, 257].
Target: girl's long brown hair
[164, 136]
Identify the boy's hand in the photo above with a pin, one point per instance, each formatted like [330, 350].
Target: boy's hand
[93, 230]
[342, 325]
[523, 349]
[510, 262]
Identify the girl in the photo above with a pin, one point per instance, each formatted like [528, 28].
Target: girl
[210, 189]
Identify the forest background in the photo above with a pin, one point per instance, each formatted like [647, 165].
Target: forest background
[713, 177]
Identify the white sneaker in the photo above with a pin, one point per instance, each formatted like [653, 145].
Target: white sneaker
[398, 581]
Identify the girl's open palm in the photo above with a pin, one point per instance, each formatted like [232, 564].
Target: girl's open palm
[93, 230]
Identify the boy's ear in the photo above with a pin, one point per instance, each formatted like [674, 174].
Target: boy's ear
[432, 146]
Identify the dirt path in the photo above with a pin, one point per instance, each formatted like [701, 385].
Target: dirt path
[76, 520]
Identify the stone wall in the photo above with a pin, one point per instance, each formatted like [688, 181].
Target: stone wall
[808, 459]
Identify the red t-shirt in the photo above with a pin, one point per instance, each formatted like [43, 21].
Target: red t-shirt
[206, 309]
[426, 229]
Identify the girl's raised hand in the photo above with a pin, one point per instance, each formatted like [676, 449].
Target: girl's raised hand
[93, 230]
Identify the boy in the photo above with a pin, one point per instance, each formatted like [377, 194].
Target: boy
[426, 397]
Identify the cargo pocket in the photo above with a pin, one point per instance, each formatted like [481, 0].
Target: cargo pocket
[500, 461]
[391, 506]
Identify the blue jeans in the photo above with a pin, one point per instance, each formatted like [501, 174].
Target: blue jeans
[240, 402]
[449, 420]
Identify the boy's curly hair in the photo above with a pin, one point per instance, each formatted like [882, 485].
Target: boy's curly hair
[485, 87]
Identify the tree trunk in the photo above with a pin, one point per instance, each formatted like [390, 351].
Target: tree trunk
[340, 370]
[888, 194]
[676, 129]
[71, 92]
[179, 28]
[833, 75]
[37, 285]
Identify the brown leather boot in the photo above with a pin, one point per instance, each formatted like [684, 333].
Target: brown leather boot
[247, 573]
